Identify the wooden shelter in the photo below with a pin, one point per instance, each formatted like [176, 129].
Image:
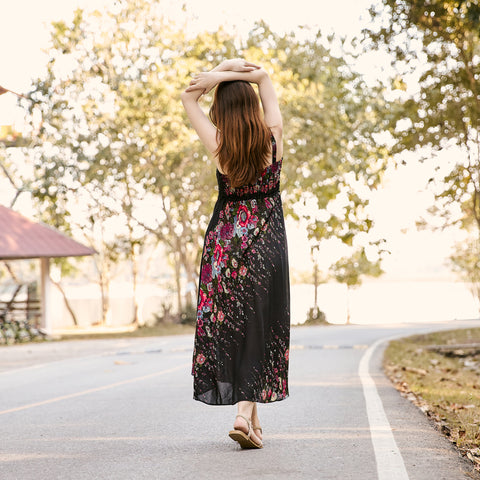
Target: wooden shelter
[20, 238]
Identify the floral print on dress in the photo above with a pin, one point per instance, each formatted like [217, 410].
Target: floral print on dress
[243, 310]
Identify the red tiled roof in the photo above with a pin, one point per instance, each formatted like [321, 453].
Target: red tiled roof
[22, 238]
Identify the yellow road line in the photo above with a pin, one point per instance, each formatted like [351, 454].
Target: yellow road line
[92, 390]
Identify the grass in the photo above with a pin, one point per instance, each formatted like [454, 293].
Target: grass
[157, 330]
[444, 384]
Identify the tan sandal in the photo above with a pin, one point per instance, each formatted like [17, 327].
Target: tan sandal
[243, 438]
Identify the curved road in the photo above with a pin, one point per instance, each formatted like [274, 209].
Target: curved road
[123, 409]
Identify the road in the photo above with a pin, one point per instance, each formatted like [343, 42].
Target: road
[123, 409]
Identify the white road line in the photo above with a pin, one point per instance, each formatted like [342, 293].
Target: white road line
[112, 353]
[92, 390]
[296, 346]
[390, 464]
[47, 364]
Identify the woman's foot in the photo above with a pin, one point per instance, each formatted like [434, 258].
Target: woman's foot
[242, 425]
[248, 410]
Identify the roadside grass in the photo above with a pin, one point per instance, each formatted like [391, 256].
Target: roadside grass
[154, 331]
[444, 383]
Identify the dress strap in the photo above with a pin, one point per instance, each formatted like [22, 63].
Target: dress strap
[274, 149]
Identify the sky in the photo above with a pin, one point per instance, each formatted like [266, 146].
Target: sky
[24, 27]
[395, 207]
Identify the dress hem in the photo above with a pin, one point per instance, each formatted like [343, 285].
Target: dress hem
[242, 400]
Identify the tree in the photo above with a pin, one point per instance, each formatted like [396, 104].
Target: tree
[349, 270]
[441, 40]
[466, 262]
[334, 153]
[113, 137]
[18, 185]
[114, 151]
[334, 156]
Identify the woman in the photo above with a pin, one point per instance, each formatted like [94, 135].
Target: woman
[243, 313]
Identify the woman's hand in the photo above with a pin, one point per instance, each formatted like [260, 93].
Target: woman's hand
[204, 81]
[238, 65]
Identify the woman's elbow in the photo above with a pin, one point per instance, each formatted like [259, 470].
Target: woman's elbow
[277, 128]
[184, 96]
[188, 97]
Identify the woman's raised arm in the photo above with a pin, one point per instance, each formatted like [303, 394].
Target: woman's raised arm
[205, 129]
[205, 81]
[200, 122]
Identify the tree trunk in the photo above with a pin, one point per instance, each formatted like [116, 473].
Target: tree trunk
[134, 284]
[104, 287]
[348, 305]
[127, 207]
[67, 303]
[178, 283]
[191, 279]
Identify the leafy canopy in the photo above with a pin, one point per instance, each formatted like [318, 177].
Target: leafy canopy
[114, 152]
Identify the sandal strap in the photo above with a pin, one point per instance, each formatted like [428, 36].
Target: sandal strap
[249, 423]
[257, 427]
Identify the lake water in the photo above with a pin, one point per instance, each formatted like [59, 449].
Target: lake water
[387, 302]
[374, 302]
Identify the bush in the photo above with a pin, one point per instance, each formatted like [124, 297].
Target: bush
[315, 317]
[189, 315]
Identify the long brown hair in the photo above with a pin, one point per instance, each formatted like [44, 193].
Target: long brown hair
[244, 138]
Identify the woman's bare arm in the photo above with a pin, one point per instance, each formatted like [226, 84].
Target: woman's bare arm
[208, 80]
[200, 122]
[205, 81]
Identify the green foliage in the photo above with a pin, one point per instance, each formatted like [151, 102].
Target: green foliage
[315, 317]
[466, 262]
[189, 315]
[440, 40]
[349, 270]
[331, 119]
[114, 151]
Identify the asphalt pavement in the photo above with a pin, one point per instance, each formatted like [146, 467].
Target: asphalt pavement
[123, 409]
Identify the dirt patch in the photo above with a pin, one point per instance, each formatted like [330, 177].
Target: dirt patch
[440, 373]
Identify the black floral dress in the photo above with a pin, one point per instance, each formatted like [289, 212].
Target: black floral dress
[243, 314]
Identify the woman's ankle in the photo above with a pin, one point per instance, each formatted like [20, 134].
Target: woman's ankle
[246, 409]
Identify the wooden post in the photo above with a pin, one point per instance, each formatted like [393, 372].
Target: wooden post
[46, 323]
